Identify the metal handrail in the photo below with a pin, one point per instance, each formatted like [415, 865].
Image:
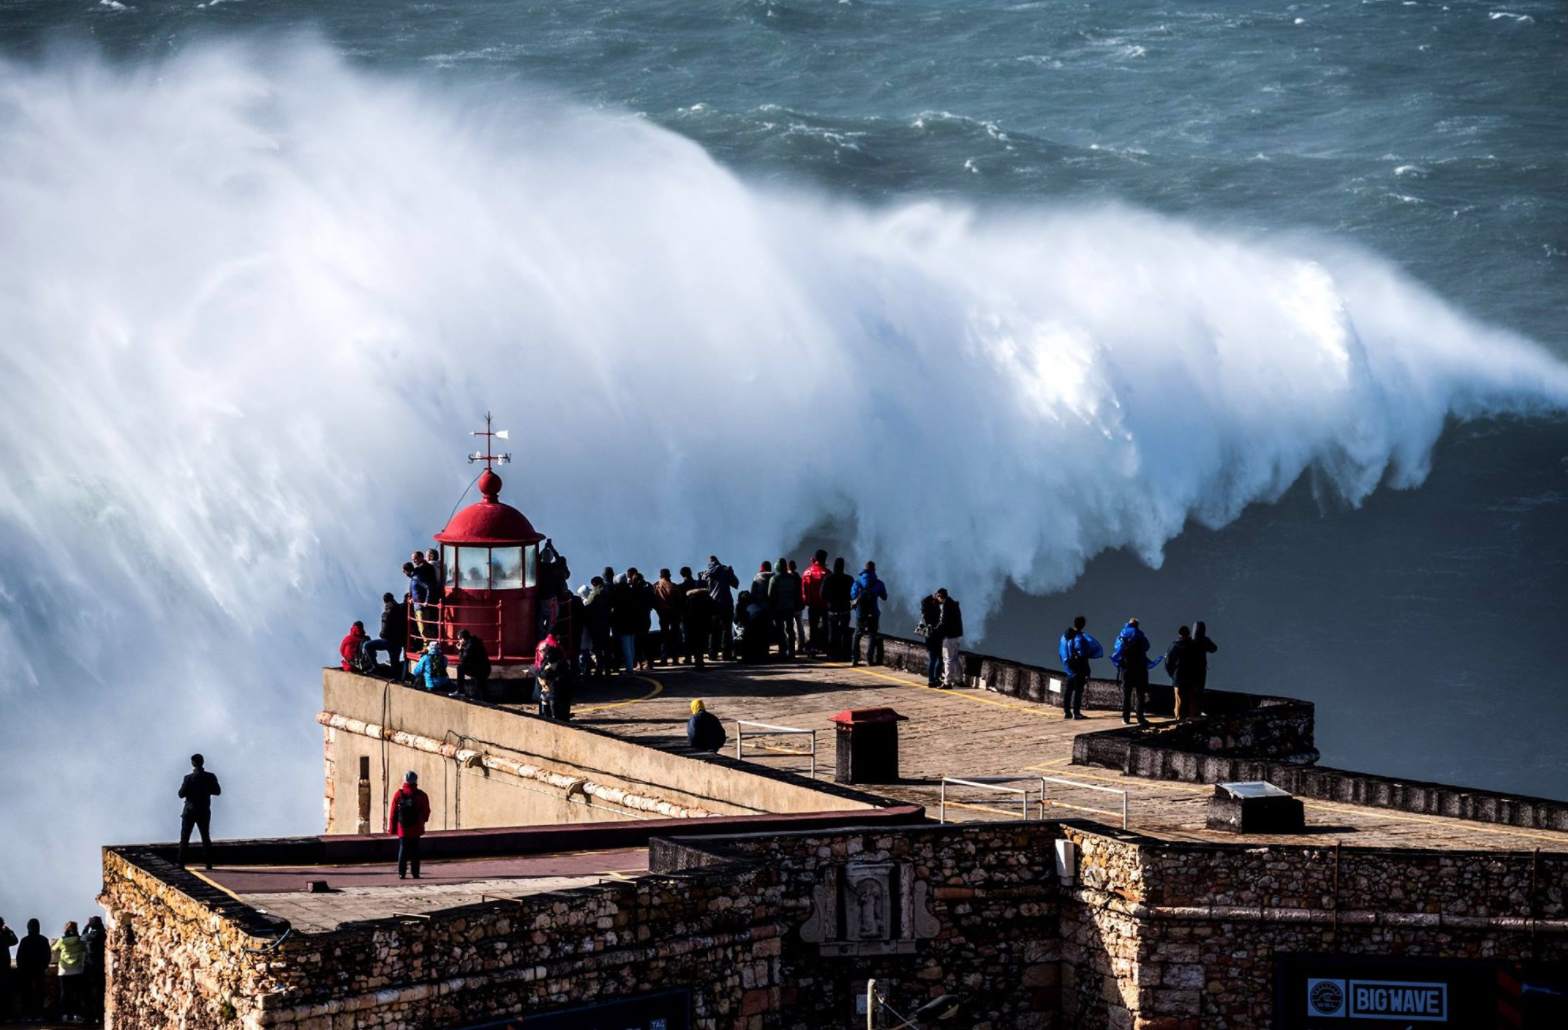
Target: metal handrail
[767, 729]
[998, 783]
[1087, 786]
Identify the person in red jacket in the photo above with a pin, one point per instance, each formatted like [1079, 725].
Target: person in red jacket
[353, 647]
[410, 812]
[811, 582]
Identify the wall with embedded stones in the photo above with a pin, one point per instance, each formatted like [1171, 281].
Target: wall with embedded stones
[1141, 933]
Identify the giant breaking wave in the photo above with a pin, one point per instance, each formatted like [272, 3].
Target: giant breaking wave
[250, 300]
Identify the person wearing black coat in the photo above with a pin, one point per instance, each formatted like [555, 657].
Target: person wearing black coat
[394, 634]
[32, 965]
[7, 942]
[952, 632]
[931, 624]
[836, 591]
[473, 666]
[97, 942]
[697, 621]
[198, 790]
[1188, 665]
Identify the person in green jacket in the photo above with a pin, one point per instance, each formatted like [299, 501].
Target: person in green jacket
[70, 959]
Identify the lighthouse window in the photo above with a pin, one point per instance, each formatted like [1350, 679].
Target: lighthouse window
[530, 565]
[506, 568]
[449, 566]
[473, 568]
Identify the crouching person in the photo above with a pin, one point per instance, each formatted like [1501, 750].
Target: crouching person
[704, 732]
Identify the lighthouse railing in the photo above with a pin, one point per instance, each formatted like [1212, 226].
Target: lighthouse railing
[441, 622]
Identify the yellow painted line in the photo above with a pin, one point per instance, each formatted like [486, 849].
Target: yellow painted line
[209, 881]
[658, 688]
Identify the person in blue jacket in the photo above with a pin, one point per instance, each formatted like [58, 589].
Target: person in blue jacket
[433, 668]
[866, 597]
[704, 732]
[1075, 649]
[1131, 656]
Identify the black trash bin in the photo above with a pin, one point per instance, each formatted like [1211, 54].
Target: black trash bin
[867, 745]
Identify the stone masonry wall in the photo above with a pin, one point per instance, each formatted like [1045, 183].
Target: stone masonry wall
[1150, 934]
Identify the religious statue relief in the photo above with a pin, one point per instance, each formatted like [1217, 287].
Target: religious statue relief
[869, 908]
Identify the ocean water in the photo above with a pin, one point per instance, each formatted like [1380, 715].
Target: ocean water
[1178, 311]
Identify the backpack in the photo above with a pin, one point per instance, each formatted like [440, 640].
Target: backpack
[866, 603]
[407, 811]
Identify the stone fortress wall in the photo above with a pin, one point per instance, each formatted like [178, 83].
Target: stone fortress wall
[775, 930]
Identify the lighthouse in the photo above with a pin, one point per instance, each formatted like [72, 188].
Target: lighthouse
[490, 565]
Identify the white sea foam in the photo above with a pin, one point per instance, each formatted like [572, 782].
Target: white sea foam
[250, 305]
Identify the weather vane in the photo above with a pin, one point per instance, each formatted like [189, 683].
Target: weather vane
[490, 435]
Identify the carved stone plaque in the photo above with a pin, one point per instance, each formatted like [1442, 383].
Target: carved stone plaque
[869, 908]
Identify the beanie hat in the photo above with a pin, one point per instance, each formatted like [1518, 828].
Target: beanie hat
[697, 706]
[411, 777]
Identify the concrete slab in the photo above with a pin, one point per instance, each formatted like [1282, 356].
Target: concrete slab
[975, 733]
[361, 892]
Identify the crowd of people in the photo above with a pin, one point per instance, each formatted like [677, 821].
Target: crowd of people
[622, 623]
[78, 957]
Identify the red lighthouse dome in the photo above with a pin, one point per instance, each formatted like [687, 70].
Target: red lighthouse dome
[490, 571]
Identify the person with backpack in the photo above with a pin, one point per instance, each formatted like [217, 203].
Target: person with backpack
[837, 592]
[410, 813]
[704, 732]
[394, 634]
[70, 961]
[473, 666]
[432, 670]
[198, 789]
[721, 580]
[866, 594]
[1131, 657]
[811, 584]
[552, 680]
[33, 954]
[352, 648]
[930, 627]
[1076, 648]
[952, 627]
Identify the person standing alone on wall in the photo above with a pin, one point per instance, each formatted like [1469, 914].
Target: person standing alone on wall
[410, 813]
[198, 790]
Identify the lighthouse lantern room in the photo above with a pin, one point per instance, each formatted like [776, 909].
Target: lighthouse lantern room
[489, 572]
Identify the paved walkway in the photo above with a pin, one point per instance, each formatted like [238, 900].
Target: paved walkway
[976, 733]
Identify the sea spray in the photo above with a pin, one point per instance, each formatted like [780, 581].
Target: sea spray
[252, 299]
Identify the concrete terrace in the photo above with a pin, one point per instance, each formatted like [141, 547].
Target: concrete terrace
[363, 891]
[977, 733]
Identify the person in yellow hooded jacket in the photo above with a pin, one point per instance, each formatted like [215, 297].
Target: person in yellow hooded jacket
[70, 959]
